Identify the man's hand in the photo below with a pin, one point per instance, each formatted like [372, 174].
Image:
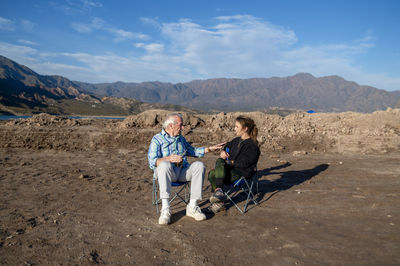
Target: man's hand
[173, 158]
[215, 147]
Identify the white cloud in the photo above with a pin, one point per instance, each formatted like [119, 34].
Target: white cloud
[6, 24]
[17, 52]
[73, 7]
[244, 46]
[90, 4]
[82, 28]
[100, 25]
[22, 54]
[26, 42]
[9, 25]
[121, 35]
[239, 46]
[70, 71]
[111, 67]
[41, 62]
[151, 48]
[151, 21]
[377, 80]
[27, 25]
[250, 28]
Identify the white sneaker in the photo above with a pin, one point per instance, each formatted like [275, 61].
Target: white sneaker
[195, 212]
[165, 217]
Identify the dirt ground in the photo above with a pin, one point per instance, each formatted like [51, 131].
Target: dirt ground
[78, 192]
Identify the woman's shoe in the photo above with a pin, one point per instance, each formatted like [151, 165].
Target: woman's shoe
[218, 196]
[216, 207]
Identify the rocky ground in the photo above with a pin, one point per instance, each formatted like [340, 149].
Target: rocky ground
[79, 192]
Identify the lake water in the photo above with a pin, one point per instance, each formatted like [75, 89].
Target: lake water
[8, 117]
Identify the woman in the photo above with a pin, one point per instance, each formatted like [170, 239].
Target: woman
[239, 158]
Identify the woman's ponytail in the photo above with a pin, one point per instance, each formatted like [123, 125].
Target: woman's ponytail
[254, 134]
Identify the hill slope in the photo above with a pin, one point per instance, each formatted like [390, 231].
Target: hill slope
[23, 91]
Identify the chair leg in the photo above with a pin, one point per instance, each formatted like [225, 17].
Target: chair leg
[250, 194]
[177, 194]
[234, 203]
[155, 195]
[248, 190]
[186, 193]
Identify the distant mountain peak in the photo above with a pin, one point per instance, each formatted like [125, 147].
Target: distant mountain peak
[304, 75]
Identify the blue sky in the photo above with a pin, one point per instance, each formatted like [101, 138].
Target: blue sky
[179, 41]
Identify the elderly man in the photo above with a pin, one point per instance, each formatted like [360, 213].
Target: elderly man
[167, 157]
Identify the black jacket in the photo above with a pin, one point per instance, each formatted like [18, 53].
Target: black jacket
[245, 154]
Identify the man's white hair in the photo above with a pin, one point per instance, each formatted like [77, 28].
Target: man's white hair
[171, 120]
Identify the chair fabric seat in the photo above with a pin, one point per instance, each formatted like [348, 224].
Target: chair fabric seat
[177, 184]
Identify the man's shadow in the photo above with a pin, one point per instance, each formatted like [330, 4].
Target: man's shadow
[287, 180]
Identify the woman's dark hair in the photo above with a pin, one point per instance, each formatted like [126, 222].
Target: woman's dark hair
[247, 122]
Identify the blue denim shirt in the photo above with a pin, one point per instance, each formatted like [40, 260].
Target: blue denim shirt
[163, 145]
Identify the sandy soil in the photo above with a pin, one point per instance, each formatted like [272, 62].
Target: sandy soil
[78, 192]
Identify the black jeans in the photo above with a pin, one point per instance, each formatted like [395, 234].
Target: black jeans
[222, 174]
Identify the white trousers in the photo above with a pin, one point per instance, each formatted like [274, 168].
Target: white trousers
[166, 173]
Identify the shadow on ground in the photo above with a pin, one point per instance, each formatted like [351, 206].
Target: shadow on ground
[287, 180]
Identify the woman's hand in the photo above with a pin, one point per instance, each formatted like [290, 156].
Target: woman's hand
[224, 155]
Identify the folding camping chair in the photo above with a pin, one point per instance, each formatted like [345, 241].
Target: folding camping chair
[176, 188]
[245, 186]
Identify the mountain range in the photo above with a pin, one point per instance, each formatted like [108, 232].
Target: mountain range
[22, 87]
[23, 91]
[301, 91]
